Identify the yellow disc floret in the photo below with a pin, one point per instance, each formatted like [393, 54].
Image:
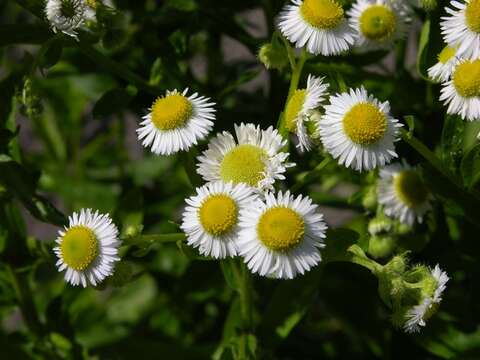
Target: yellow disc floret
[472, 15]
[79, 247]
[171, 112]
[243, 164]
[378, 22]
[365, 124]
[280, 229]
[294, 106]
[410, 188]
[218, 214]
[446, 54]
[466, 78]
[323, 14]
[92, 3]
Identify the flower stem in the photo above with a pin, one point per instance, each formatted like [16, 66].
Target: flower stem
[358, 256]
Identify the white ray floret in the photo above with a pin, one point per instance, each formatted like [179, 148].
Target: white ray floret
[462, 92]
[319, 25]
[379, 23]
[416, 317]
[300, 107]
[176, 122]
[358, 130]
[281, 236]
[210, 219]
[255, 158]
[402, 193]
[461, 28]
[87, 249]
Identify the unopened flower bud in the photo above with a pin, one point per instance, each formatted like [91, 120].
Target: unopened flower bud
[273, 56]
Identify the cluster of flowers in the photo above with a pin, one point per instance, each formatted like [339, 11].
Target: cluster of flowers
[238, 213]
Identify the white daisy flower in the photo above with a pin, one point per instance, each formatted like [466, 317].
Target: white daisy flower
[66, 16]
[320, 25]
[88, 248]
[300, 107]
[417, 315]
[462, 92]
[281, 236]
[210, 220]
[402, 193]
[378, 23]
[461, 29]
[255, 158]
[443, 69]
[358, 130]
[176, 122]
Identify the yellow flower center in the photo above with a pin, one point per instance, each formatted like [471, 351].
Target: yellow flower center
[79, 247]
[446, 54]
[218, 214]
[92, 3]
[410, 188]
[293, 108]
[323, 14]
[378, 22]
[466, 78]
[171, 112]
[365, 124]
[243, 164]
[472, 15]
[280, 229]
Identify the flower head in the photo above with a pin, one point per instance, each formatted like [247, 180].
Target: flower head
[462, 92]
[281, 236]
[320, 25]
[461, 28]
[255, 158]
[66, 16]
[403, 193]
[300, 107]
[442, 70]
[88, 248]
[211, 218]
[358, 130]
[176, 122]
[378, 23]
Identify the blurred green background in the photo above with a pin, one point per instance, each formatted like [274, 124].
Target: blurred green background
[68, 114]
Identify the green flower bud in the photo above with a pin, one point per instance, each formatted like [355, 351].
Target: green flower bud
[380, 224]
[369, 200]
[381, 246]
[273, 56]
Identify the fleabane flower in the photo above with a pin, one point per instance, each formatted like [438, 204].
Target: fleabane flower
[210, 220]
[281, 236]
[88, 248]
[358, 130]
[462, 92]
[461, 28]
[255, 158]
[378, 23]
[300, 107]
[320, 25]
[442, 70]
[432, 290]
[403, 193]
[66, 16]
[176, 122]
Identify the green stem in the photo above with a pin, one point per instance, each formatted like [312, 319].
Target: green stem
[358, 256]
[310, 176]
[25, 301]
[153, 238]
[429, 156]
[242, 275]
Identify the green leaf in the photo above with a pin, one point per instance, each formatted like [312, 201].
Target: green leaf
[53, 54]
[452, 142]
[470, 167]
[157, 72]
[182, 5]
[429, 45]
